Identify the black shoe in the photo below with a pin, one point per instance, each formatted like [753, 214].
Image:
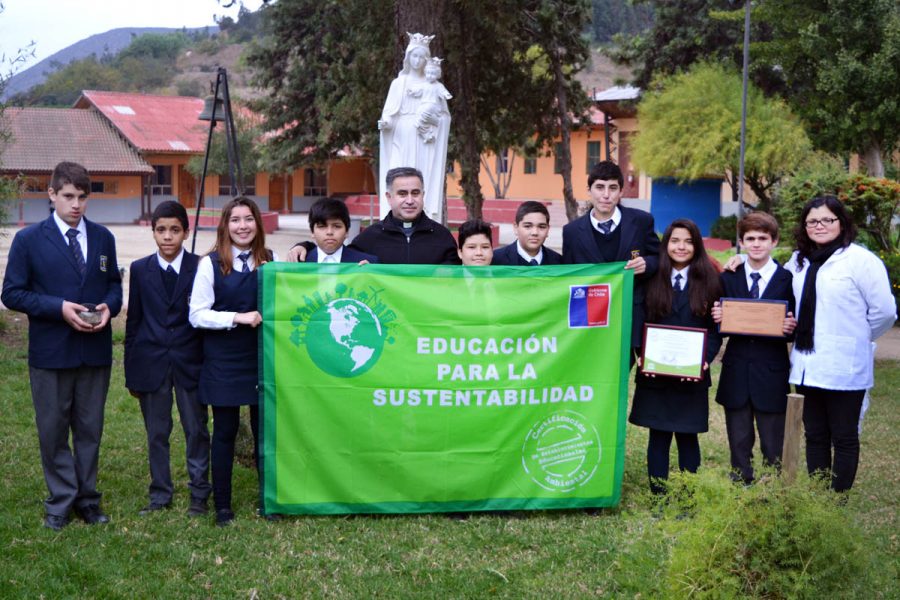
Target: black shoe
[198, 507]
[154, 507]
[91, 514]
[55, 522]
[224, 517]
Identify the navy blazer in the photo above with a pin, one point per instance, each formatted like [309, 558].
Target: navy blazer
[665, 403]
[509, 255]
[41, 272]
[349, 255]
[158, 335]
[755, 369]
[638, 238]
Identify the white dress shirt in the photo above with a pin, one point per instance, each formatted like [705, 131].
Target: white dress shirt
[539, 257]
[81, 229]
[616, 219]
[854, 306]
[765, 275]
[203, 296]
[175, 264]
[321, 256]
[684, 275]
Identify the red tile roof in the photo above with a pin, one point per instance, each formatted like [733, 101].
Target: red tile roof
[43, 137]
[152, 123]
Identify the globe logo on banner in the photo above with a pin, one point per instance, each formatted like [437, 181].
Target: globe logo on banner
[344, 338]
[589, 305]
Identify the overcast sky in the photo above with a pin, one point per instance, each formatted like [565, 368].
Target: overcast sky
[55, 24]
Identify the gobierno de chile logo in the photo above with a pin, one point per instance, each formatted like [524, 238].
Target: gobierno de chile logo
[345, 331]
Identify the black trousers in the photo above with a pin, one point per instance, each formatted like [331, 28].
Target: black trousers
[831, 420]
[226, 420]
[739, 425]
[156, 408]
[658, 456]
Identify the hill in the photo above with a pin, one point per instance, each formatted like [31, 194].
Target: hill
[110, 42]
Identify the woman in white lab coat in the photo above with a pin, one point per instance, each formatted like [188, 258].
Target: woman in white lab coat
[844, 303]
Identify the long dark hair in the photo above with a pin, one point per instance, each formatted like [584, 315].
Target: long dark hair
[703, 279]
[805, 246]
[223, 239]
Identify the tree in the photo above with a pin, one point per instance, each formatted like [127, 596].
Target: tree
[9, 187]
[618, 16]
[690, 128]
[247, 132]
[683, 32]
[327, 68]
[839, 65]
[835, 63]
[555, 27]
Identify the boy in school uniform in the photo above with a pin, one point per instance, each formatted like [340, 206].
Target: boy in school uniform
[613, 233]
[329, 221]
[755, 369]
[164, 353]
[55, 268]
[474, 241]
[532, 225]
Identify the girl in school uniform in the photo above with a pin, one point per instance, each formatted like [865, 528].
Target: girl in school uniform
[680, 293]
[223, 304]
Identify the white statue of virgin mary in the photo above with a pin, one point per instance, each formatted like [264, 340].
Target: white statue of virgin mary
[415, 124]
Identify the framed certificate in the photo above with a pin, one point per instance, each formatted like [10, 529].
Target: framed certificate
[744, 316]
[673, 351]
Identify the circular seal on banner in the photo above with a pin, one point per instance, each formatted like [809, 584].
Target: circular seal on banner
[344, 338]
[562, 452]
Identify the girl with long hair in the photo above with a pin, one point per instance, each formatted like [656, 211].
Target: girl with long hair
[680, 293]
[224, 304]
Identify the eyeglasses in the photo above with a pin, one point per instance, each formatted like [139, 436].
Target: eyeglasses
[824, 221]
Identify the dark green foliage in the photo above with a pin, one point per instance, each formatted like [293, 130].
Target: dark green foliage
[839, 63]
[611, 17]
[248, 147]
[835, 63]
[685, 32]
[327, 68]
[770, 540]
[724, 228]
[873, 203]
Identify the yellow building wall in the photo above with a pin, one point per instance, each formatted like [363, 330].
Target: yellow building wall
[544, 184]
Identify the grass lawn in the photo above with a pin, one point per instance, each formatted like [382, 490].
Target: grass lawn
[561, 554]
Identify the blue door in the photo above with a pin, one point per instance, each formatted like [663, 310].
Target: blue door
[697, 200]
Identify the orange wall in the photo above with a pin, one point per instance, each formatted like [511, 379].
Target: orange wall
[349, 176]
[544, 184]
[129, 186]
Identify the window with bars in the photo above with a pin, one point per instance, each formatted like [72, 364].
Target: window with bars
[593, 155]
[225, 185]
[161, 180]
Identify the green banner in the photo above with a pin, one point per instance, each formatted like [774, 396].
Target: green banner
[419, 388]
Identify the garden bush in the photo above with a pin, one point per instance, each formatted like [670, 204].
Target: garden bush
[724, 228]
[768, 540]
[872, 203]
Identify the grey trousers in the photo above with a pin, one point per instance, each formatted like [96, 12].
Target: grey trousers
[69, 401]
[156, 407]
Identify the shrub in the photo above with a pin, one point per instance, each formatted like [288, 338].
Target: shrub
[725, 228]
[892, 262]
[873, 203]
[770, 540]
